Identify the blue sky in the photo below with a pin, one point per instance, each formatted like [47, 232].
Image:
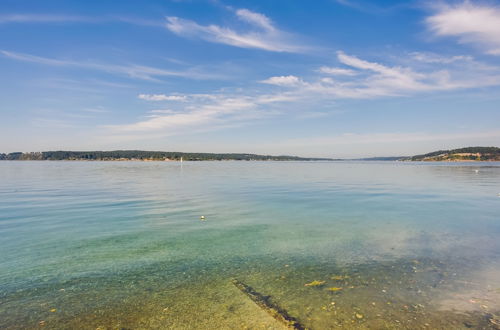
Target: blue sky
[335, 78]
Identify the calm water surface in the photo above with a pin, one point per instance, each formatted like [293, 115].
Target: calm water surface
[120, 245]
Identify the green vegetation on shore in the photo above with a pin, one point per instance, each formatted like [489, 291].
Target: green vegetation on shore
[141, 155]
[462, 154]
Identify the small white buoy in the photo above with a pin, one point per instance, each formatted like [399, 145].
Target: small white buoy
[202, 218]
[477, 171]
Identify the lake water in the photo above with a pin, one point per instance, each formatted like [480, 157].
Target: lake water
[120, 245]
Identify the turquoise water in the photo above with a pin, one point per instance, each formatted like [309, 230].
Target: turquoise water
[121, 245]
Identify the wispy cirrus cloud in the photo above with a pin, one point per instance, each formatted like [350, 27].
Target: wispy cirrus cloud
[256, 19]
[337, 71]
[161, 97]
[435, 58]
[365, 80]
[373, 7]
[132, 70]
[43, 18]
[385, 78]
[221, 110]
[368, 79]
[263, 35]
[29, 18]
[200, 112]
[471, 23]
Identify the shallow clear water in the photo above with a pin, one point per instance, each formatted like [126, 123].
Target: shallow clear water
[121, 245]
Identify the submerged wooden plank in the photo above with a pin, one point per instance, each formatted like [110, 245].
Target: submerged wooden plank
[266, 304]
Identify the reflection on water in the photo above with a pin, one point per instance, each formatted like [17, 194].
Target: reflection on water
[120, 245]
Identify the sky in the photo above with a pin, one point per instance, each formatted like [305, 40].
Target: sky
[325, 78]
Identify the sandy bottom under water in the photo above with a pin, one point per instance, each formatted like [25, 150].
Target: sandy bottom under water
[402, 294]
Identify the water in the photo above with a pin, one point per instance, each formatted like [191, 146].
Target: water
[114, 245]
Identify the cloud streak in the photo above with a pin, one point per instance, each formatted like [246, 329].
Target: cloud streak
[256, 19]
[28, 18]
[161, 97]
[337, 71]
[37, 18]
[219, 111]
[366, 79]
[264, 35]
[199, 112]
[133, 70]
[434, 58]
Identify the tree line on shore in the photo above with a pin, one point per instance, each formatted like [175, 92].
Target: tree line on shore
[462, 154]
[141, 155]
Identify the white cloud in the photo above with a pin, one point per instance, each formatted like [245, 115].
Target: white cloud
[358, 63]
[267, 37]
[374, 79]
[434, 58]
[282, 81]
[256, 19]
[161, 97]
[386, 79]
[471, 23]
[200, 112]
[133, 70]
[337, 71]
[168, 122]
[207, 110]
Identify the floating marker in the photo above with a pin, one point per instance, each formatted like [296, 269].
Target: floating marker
[202, 218]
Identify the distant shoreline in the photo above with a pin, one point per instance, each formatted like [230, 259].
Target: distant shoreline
[252, 160]
[468, 154]
[146, 156]
[177, 160]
